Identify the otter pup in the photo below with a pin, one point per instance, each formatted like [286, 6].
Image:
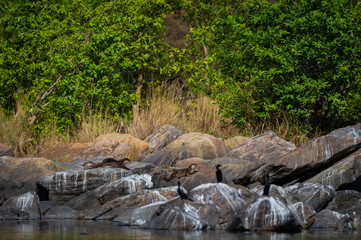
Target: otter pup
[219, 173]
[182, 172]
[182, 194]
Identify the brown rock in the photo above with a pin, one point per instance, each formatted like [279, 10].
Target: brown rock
[137, 144]
[331, 220]
[164, 135]
[5, 150]
[64, 153]
[186, 162]
[19, 175]
[199, 145]
[234, 142]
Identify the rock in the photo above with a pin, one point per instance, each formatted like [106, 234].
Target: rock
[137, 146]
[110, 191]
[46, 205]
[183, 215]
[316, 196]
[161, 137]
[199, 145]
[346, 202]
[64, 186]
[19, 175]
[140, 167]
[234, 142]
[224, 197]
[331, 220]
[194, 160]
[122, 208]
[346, 170]
[5, 150]
[137, 216]
[64, 153]
[297, 201]
[28, 202]
[2, 198]
[12, 214]
[309, 159]
[166, 158]
[259, 150]
[203, 175]
[62, 212]
[270, 214]
[106, 147]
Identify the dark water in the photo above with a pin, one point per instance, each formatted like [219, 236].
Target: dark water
[107, 230]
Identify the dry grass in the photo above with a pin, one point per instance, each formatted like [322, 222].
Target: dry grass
[193, 115]
[167, 106]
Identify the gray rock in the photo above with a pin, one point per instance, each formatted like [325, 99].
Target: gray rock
[62, 212]
[66, 185]
[331, 220]
[28, 202]
[12, 214]
[110, 191]
[308, 160]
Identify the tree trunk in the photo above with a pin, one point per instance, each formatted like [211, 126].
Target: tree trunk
[138, 93]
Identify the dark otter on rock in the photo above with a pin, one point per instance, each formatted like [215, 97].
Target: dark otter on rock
[108, 163]
[182, 172]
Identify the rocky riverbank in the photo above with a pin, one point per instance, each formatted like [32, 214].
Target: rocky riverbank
[312, 186]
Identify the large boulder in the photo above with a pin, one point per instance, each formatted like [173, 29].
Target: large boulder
[64, 186]
[28, 202]
[259, 150]
[65, 153]
[346, 202]
[234, 142]
[12, 214]
[108, 192]
[116, 145]
[5, 150]
[270, 214]
[161, 137]
[203, 175]
[309, 159]
[345, 171]
[331, 220]
[186, 146]
[126, 209]
[19, 175]
[62, 212]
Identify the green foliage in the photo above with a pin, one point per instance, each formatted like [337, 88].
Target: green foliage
[66, 56]
[296, 57]
[262, 61]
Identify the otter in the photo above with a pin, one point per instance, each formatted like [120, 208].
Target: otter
[108, 163]
[182, 172]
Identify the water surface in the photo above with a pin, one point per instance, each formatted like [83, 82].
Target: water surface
[87, 230]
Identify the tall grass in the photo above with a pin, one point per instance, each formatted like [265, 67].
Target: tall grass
[167, 106]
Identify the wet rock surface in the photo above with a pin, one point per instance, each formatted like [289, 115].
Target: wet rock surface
[310, 186]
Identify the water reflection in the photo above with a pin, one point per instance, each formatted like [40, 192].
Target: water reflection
[108, 230]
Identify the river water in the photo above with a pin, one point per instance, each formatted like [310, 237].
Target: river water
[108, 230]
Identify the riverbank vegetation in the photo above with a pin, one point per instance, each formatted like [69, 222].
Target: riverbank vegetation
[71, 70]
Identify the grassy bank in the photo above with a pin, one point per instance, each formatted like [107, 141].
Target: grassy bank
[198, 114]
